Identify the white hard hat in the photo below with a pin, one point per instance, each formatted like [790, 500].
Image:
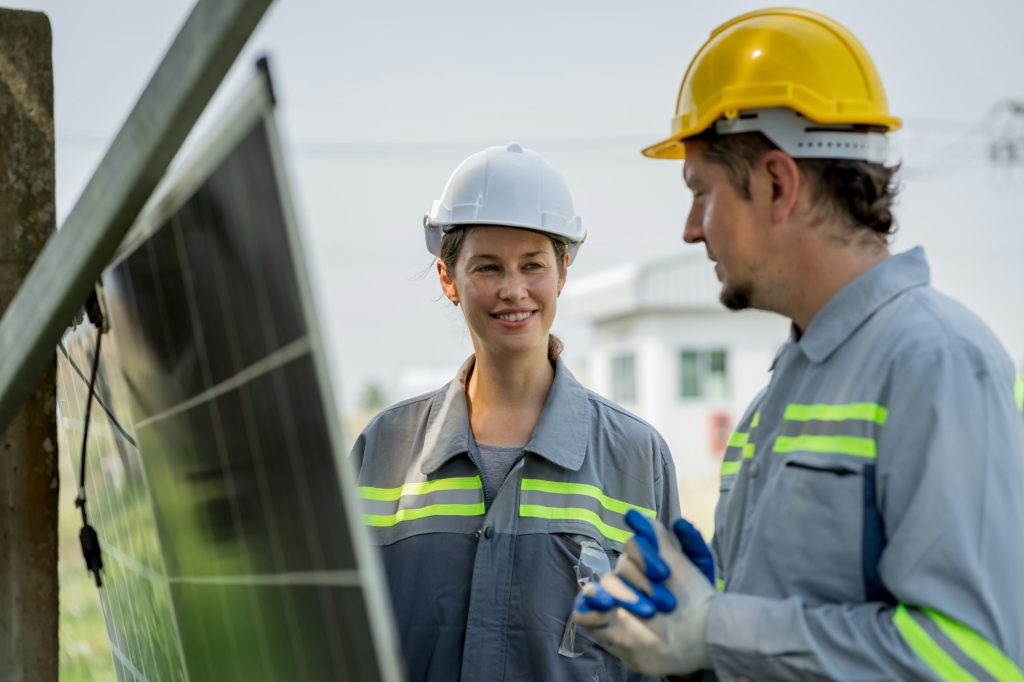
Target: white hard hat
[508, 186]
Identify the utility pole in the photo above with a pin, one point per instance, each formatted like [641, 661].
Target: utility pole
[28, 454]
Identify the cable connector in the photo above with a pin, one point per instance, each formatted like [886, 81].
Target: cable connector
[91, 551]
[95, 308]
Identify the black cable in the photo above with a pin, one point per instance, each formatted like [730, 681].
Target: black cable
[111, 417]
[87, 536]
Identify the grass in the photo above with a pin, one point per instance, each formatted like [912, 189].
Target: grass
[84, 648]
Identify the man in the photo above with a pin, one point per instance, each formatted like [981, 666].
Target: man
[869, 525]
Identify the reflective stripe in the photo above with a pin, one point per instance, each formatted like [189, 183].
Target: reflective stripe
[720, 584]
[447, 498]
[1018, 393]
[423, 488]
[742, 442]
[575, 514]
[842, 445]
[748, 449]
[870, 412]
[930, 652]
[856, 428]
[385, 520]
[971, 643]
[974, 649]
[737, 440]
[561, 488]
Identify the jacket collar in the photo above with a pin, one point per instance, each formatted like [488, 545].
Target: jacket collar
[859, 300]
[561, 435]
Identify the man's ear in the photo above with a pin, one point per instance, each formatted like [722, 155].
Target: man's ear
[447, 285]
[786, 181]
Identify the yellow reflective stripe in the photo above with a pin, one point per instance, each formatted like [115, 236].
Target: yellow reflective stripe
[609, 503]
[925, 647]
[729, 468]
[1018, 392]
[842, 445]
[720, 584]
[538, 511]
[384, 520]
[737, 440]
[458, 483]
[748, 449]
[971, 643]
[869, 412]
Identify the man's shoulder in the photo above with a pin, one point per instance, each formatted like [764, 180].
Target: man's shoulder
[928, 324]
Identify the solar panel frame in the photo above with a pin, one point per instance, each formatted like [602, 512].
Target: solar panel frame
[72, 259]
[198, 399]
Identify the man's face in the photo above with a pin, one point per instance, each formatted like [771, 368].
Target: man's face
[726, 223]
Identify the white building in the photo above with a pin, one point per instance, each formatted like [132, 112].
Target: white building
[664, 347]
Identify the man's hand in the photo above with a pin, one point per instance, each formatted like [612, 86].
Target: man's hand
[652, 570]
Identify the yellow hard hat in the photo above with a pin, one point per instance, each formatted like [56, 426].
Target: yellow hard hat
[777, 58]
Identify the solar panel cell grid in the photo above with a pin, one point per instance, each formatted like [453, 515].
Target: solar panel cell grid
[229, 554]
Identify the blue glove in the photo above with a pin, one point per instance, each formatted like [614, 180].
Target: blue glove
[695, 549]
[600, 599]
[690, 541]
[655, 569]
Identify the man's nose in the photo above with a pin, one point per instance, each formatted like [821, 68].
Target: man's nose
[693, 229]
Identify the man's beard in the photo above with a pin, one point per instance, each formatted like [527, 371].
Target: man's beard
[737, 297]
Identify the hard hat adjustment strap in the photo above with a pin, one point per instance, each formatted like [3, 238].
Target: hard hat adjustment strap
[805, 139]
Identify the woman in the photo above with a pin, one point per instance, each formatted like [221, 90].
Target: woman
[495, 497]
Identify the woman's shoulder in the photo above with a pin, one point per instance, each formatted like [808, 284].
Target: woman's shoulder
[613, 415]
[410, 409]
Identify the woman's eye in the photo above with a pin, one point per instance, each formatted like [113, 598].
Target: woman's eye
[486, 268]
[534, 266]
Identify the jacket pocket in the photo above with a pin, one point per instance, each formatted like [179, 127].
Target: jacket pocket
[810, 523]
[592, 561]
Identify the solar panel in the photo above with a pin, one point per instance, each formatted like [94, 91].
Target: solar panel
[233, 542]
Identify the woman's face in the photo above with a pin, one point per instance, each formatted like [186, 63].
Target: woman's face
[507, 282]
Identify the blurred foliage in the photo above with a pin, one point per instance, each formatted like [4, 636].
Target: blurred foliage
[84, 648]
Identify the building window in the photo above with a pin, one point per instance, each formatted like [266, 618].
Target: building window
[624, 378]
[704, 374]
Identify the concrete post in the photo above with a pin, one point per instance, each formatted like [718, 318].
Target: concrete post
[28, 453]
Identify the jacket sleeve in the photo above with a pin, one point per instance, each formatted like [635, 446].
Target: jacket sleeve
[950, 480]
[665, 485]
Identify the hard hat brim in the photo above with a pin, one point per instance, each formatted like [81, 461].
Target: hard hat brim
[674, 146]
[670, 148]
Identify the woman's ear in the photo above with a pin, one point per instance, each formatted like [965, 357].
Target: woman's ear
[563, 272]
[447, 285]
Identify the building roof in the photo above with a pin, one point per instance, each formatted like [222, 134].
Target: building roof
[685, 282]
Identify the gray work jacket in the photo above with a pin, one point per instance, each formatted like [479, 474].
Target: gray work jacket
[871, 519]
[485, 593]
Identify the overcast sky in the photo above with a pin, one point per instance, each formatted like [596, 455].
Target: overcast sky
[380, 100]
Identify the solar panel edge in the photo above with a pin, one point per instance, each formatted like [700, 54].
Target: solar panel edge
[377, 597]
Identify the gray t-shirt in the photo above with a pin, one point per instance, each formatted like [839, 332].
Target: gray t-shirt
[496, 461]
